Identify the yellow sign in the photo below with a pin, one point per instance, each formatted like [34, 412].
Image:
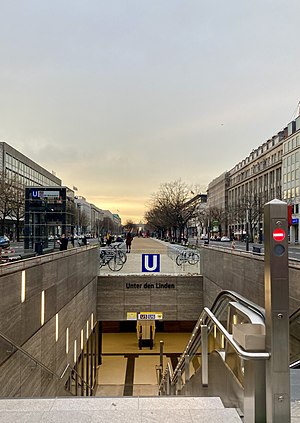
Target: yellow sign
[150, 315]
[131, 315]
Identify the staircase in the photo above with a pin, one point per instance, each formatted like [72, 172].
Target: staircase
[117, 410]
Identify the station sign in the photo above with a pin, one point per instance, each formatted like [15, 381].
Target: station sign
[278, 234]
[148, 315]
[151, 263]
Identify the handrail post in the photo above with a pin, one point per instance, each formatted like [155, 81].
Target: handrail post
[254, 391]
[187, 373]
[187, 368]
[168, 382]
[179, 383]
[161, 359]
[204, 368]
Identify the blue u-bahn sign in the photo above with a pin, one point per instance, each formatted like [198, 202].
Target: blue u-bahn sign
[151, 263]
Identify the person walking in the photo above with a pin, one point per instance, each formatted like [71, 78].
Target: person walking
[63, 243]
[128, 242]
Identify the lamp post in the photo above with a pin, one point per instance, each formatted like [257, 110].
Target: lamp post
[247, 230]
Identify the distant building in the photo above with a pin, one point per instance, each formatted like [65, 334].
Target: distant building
[16, 172]
[291, 176]
[217, 204]
[253, 182]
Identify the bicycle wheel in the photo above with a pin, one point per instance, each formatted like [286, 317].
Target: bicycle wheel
[193, 258]
[122, 256]
[115, 263]
[179, 260]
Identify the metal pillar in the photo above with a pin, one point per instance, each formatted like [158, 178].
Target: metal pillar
[204, 350]
[277, 312]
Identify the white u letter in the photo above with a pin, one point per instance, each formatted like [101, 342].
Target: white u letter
[154, 264]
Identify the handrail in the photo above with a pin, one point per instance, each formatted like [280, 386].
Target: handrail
[42, 365]
[38, 362]
[207, 314]
[241, 352]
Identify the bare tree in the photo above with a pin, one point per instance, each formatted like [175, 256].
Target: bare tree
[171, 208]
[7, 192]
[18, 207]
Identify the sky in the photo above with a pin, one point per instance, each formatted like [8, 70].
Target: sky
[120, 96]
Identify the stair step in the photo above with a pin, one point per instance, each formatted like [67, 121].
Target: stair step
[116, 410]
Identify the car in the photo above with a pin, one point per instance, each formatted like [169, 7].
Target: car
[225, 239]
[4, 241]
[204, 237]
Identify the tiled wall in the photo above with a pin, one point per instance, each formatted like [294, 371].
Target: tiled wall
[69, 284]
[243, 273]
[181, 299]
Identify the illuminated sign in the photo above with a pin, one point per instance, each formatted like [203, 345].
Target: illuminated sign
[45, 194]
[148, 315]
[131, 315]
[278, 234]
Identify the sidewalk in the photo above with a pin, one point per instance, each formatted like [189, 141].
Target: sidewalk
[141, 246]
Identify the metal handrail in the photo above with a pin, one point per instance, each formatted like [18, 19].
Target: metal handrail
[246, 355]
[42, 365]
[207, 314]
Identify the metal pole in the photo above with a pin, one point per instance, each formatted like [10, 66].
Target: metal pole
[204, 350]
[277, 312]
[179, 382]
[247, 230]
[161, 359]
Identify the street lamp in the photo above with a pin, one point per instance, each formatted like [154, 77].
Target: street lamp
[247, 230]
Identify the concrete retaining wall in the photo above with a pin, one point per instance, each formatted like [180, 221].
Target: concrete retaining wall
[69, 284]
[243, 273]
[178, 297]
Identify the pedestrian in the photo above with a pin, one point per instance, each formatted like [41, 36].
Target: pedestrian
[233, 245]
[108, 239]
[72, 240]
[128, 242]
[63, 243]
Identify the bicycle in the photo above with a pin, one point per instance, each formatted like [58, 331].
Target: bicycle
[113, 257]
[187, 256]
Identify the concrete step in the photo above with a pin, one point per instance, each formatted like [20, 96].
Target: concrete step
[117, 410]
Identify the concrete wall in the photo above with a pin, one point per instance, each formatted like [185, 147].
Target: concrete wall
[178, 297]
[69, 282]
[243, 273]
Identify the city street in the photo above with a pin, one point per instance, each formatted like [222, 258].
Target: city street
[294, 250]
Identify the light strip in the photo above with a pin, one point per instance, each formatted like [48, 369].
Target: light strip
[87, 329]
[56, 327]
[67, 340]
[215, 331]
[43, 308]
[75, 351]
[81, 339]
[92, 321]
[23, 286]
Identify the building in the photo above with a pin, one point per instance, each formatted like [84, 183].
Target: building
[290, 175]
[97, 216]
[83, 215]
[253, 182]
[217, 205]
[49, 213]
[16, 172]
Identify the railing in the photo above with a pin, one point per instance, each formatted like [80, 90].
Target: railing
[211, 335]
[64, 382]
[295, 339]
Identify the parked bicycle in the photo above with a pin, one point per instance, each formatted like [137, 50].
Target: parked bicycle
[113, 257]
[187, 256]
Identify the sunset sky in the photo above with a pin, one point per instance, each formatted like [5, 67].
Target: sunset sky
[120, 96]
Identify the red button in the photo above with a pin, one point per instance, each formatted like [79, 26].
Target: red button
[278, 234]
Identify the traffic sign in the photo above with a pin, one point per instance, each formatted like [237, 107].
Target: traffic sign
[278, 234]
